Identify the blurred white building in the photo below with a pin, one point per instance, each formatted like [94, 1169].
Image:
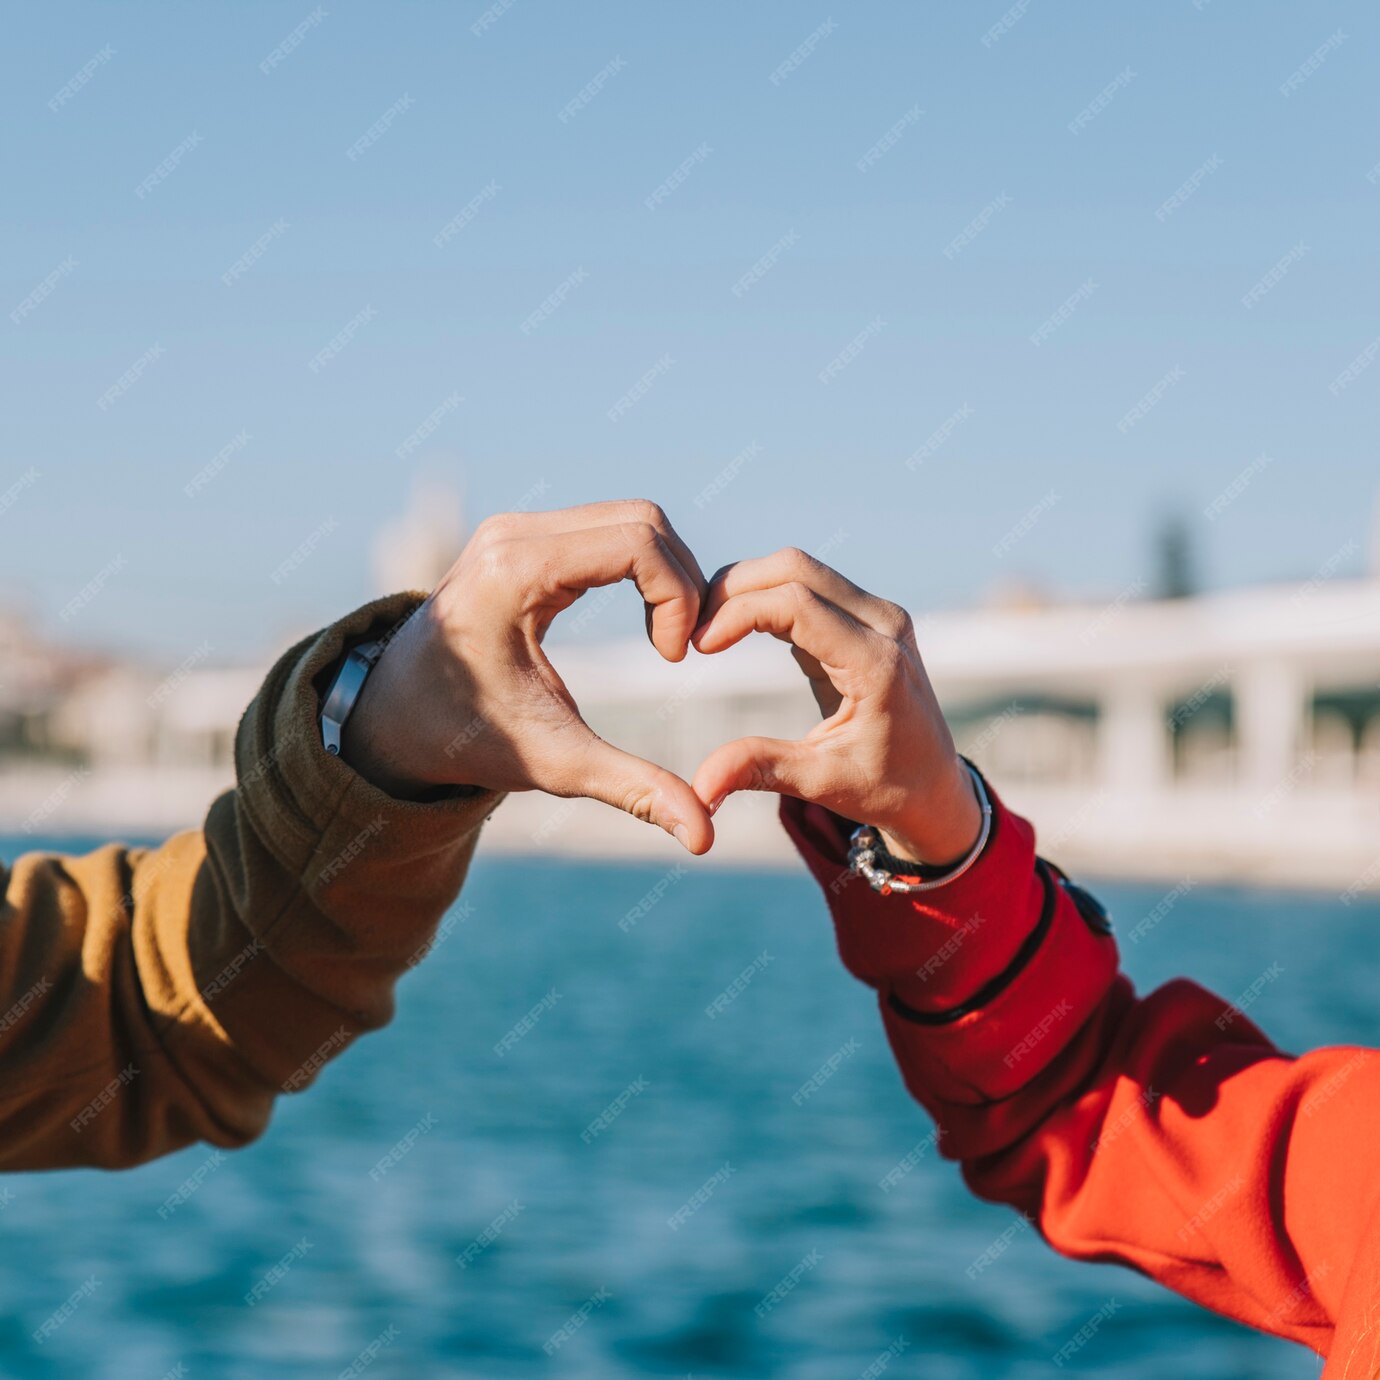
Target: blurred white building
[415, 550]
[1231, 736]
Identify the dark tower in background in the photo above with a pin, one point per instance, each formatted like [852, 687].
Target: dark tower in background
[1176, 576]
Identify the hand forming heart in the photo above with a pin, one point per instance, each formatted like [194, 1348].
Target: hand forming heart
[465, 695]
[883, 753]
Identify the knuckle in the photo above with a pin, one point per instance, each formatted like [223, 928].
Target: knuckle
[799, 593]
[896, 620]
[644, 510]
[643, 533]
[637, 801]
[766, 770]
[796, 560]
[496, 527]
[762, 777]
[500, 561]
[888, 657]
[649, 542]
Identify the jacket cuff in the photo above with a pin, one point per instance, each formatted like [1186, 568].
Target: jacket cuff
[366, 878]
[313, 805]
[982, 980]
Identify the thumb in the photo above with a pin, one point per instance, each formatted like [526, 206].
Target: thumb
[603, 772]
[755, 764]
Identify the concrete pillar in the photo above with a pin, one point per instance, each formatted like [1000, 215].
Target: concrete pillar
[1133, 739]
[1269, 704]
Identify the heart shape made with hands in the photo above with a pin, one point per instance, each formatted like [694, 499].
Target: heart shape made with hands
[503, 718]
[882, 751]
[881, 731]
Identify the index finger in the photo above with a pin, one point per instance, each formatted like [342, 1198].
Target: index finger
[793, 565]
[606, 513]
[796, 614]
[573, 562]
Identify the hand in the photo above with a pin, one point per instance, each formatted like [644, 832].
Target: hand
[464, 695]
[883, 754]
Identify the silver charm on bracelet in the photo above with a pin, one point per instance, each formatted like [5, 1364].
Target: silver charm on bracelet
[866, 844]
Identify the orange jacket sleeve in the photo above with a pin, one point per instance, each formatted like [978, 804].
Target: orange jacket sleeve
[154, 997]
[1164, 1132]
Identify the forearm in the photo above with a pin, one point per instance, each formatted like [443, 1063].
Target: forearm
[160, 997]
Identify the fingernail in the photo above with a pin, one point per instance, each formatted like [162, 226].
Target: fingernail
[714, 806]
[682, 836]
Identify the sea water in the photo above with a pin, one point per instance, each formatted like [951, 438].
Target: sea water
[637, 1121]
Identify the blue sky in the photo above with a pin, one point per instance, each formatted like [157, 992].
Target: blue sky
[964, 230]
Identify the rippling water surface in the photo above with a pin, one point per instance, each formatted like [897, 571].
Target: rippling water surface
[772, 1191]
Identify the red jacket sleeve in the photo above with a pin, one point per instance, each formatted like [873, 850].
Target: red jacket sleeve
[1163, 1132]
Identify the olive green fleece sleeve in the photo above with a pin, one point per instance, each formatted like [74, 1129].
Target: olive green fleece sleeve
[150, 998]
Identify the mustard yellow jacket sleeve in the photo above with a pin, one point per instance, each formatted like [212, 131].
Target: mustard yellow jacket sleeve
[150, 998]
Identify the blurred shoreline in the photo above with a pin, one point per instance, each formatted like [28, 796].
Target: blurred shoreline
[1319, 843]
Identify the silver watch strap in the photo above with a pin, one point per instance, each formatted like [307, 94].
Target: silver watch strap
[344, 692]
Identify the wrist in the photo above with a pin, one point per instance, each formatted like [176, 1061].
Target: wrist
[377, 739]
[940, 826]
